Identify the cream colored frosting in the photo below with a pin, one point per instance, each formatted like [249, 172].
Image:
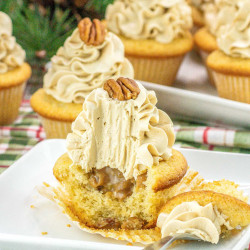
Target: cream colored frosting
[162, 20]
[11, 53]
[189, 217]
[129, 135]
[218, 14]
[77, 68]
[234, 39]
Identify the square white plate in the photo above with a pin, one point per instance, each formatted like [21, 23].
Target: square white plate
[21, 226]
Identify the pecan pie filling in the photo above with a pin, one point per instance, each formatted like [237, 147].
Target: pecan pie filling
[112, 181]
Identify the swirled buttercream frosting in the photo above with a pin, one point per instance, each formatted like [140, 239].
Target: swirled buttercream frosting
[234, 39]
[189, 217]
[11, 53]
[130, 136]
[218, 14]
[163, 20]
[78, 68]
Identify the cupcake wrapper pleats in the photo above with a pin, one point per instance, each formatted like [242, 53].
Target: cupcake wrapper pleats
[232, 87]
[55, 129]
[10, 101]
[204, 56]
[157, 70]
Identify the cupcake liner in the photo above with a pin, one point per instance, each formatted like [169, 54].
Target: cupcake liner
[233, 87]
[10, 101]
[204, 56]
[55, 128]
[157, 70]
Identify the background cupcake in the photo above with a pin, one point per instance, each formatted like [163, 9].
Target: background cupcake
[14, 72]
[216, 15]
[230, 64]
[155, 34]
[88, 58]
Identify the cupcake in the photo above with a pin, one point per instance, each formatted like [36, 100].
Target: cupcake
[155, 35]
[120, 167]
[14, 72]
[89, 56]
[198, 8]
[230, 64]
[216, 15]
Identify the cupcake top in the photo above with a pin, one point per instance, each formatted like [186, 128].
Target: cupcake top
[11, 53]
[234, 39]
[204, 222]
[121, 127]
[161, 20]
[218, 14]
[88, 58]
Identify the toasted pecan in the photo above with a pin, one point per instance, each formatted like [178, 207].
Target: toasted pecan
[92, 33]
[122, 89]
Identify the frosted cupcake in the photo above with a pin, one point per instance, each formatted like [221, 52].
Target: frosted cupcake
[216, 16]
[14, 72]
[88, 58]
[155, 35]
[230, 64]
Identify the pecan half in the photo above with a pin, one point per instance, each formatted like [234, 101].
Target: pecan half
[122, 89]
[92, 33]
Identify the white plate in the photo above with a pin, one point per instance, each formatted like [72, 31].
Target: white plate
[21, 225]
[193, 98]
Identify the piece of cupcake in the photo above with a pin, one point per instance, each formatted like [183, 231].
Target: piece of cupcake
[120, 167]
[230, 64]
[14, 72]
[207, 214]
[155, 35]
[216, 15]
[89, 56]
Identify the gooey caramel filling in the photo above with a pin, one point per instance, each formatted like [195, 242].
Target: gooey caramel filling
[112, 181]
[108, 180]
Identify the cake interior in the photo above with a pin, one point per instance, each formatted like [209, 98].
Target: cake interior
[103, 199]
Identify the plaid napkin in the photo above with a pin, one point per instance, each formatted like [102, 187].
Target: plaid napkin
[20, 137]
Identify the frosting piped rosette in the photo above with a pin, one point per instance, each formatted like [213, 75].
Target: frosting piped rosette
[162, 20]
[82, 65]
[130, 135]
[11, 53]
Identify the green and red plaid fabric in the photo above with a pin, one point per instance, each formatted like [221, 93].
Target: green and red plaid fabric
[26, 131]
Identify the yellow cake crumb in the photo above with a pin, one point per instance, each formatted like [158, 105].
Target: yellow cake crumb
[46, 184]
[32, 206]
[68, 225]
[44, 233]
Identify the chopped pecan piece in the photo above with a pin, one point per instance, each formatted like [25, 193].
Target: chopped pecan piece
[122, 89]
[92, 33]
[132, 223]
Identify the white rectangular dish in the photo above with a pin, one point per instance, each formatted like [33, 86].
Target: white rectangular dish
[193, 98]
[21, 224]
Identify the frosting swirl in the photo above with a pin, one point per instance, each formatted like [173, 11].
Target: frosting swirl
[219, 14]
[77, 68]
[234, 39]
[189, 217]
[11, 53]
[129, 135]
[163, 20]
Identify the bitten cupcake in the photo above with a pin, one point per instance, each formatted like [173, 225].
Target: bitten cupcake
[14, 72]
[89, 56]
[155, 35]
[216, 15]
[230, 64]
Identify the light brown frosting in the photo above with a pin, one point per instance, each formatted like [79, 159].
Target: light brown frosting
[11, 53]
[129, 135]
[77, 68]
[161, 20]
[189, 217]
[234, 39]
[218, 14]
